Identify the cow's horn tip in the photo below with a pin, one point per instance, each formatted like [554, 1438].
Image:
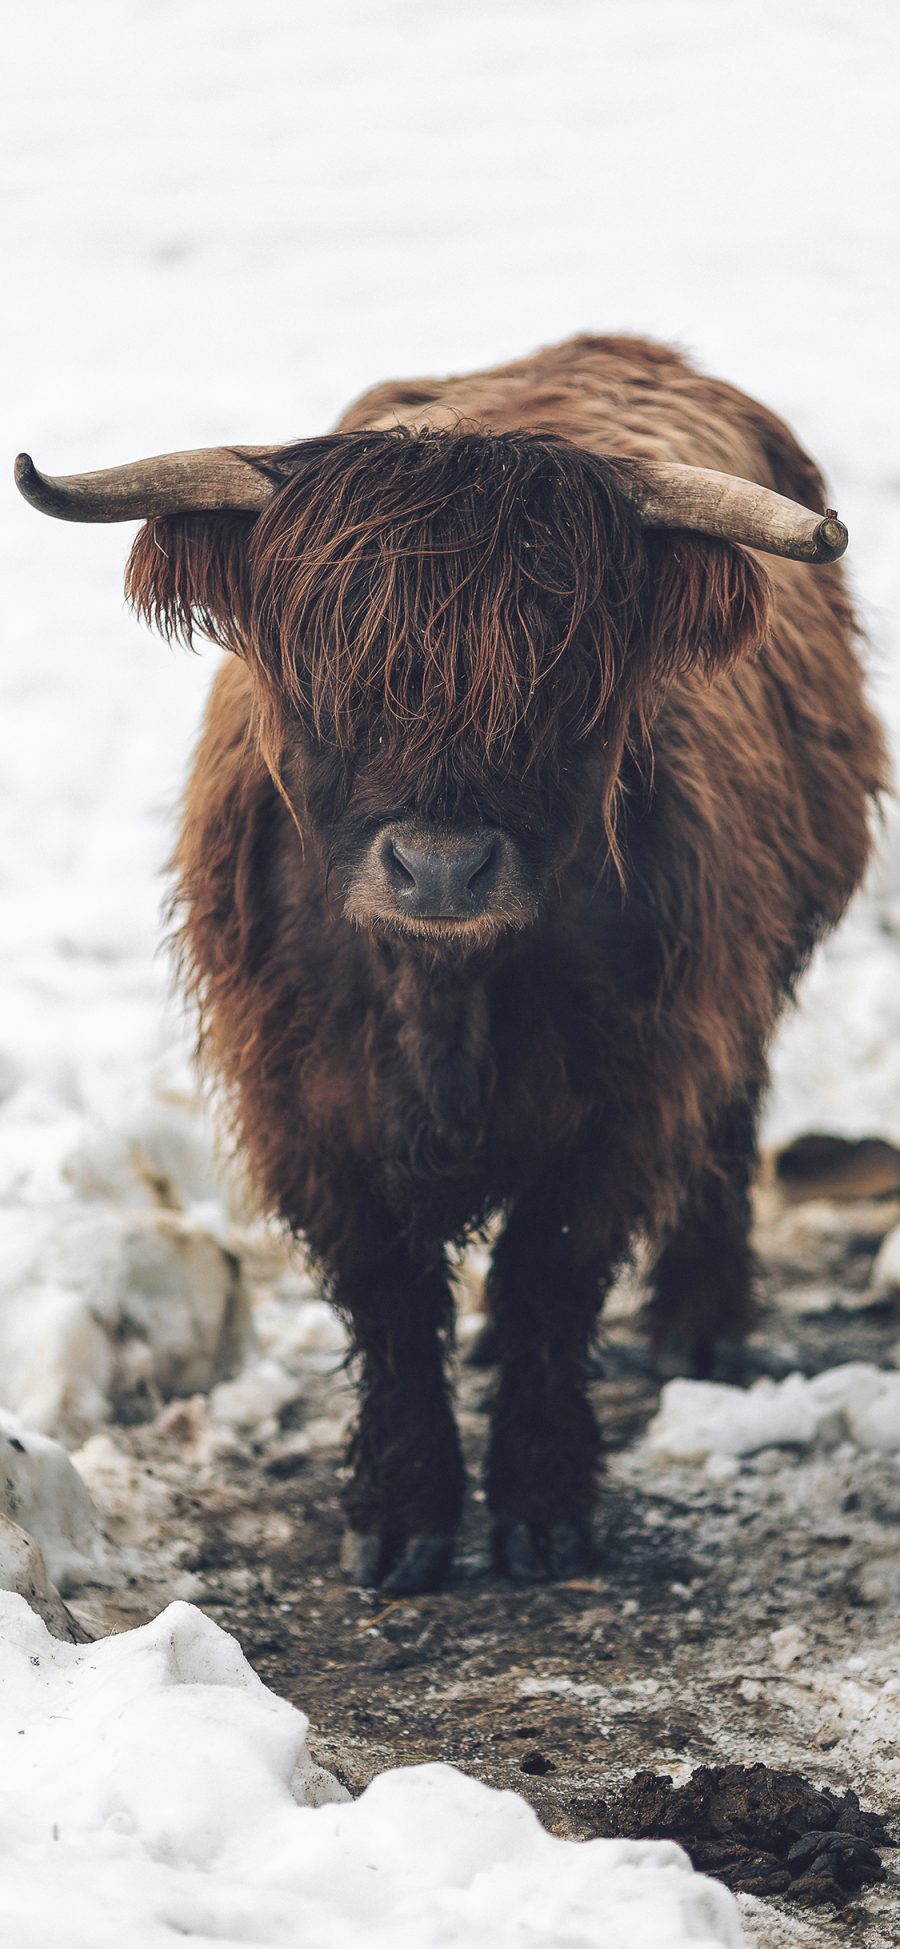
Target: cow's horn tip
[26, 472]
[835, 535]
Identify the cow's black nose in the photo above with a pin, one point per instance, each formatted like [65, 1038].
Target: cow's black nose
[442, 883]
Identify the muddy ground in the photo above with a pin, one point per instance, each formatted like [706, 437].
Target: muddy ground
[662, 1658]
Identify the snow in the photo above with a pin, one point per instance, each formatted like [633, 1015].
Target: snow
[223, 223]
[697, 1420]
[152, 1786]
[106, 1306]
[42, 1492]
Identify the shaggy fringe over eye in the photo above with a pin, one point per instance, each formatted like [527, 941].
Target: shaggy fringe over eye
[436, 582]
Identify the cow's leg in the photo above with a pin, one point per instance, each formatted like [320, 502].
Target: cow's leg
[703, 1280]
[405, 1492]
[551, 1269]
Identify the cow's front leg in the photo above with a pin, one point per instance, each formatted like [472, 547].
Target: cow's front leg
[404, 1496]
[550, 1271]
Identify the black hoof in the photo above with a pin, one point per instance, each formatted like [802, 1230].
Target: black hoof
[423, 1565]
[677, 1358]
[362, 1552]
[537, 1552]
[373, 1563]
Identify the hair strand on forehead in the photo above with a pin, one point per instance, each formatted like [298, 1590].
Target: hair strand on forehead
[439, 581]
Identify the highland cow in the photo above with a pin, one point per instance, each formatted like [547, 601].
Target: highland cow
[523, 799]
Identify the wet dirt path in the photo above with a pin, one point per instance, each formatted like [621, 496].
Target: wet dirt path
[663, 1658]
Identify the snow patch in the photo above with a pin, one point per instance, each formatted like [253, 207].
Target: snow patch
[155, 1151]
[153, 1787]
[103, 1310]
[702, 1421]
[42, 1492]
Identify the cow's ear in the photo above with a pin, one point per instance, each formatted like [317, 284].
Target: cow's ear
[708, 602]
[188, 574]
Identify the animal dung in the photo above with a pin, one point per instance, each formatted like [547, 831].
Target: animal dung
[760, 1830]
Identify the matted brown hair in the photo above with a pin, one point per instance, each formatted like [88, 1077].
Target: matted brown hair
[449, 588]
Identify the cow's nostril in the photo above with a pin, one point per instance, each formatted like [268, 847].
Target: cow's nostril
[483, 872]
[400, 873]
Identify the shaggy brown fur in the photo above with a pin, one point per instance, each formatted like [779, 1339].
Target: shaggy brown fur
[449, 620]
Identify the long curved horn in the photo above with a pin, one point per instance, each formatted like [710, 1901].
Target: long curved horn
[209, 479]
[670, 496]
[666, 495]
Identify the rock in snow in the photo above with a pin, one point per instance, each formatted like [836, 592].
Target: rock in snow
[153, 1789]
[42, 1493]
[102, 1308]
[23, 1570]
[700, 1419]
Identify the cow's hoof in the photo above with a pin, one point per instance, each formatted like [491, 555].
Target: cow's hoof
[536, 1552]
[422, 1563]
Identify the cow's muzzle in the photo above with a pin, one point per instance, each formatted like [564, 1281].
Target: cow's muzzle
[440, 881]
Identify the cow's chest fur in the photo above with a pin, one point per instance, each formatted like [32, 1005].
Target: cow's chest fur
[473, 1089]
